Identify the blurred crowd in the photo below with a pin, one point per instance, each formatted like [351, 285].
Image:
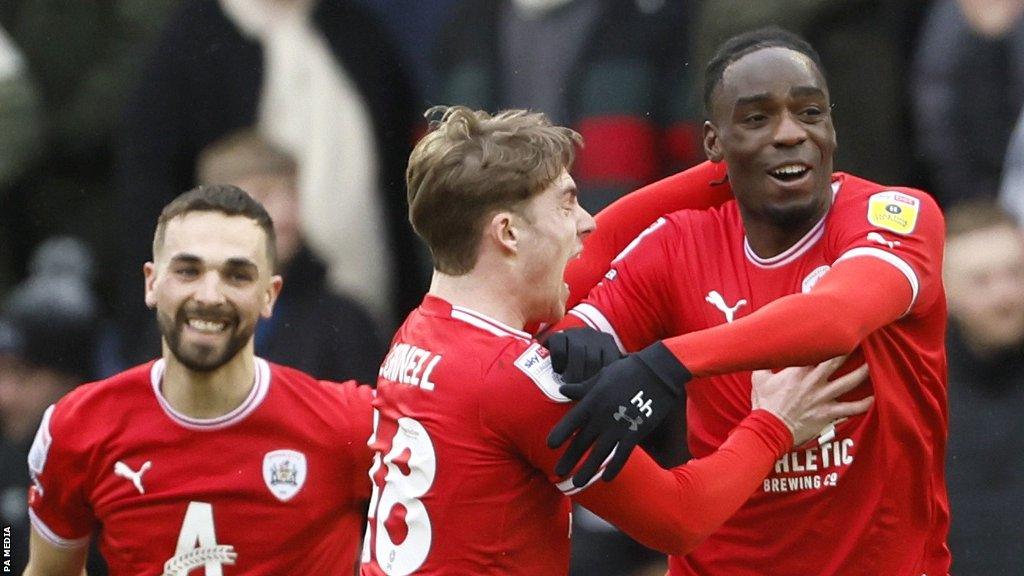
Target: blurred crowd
[109, 109]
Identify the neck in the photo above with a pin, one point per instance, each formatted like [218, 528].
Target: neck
[770, 235]
[480, 292]
[211, 394]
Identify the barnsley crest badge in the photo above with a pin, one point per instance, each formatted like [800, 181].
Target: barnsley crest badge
[284, 472]
[894, 211]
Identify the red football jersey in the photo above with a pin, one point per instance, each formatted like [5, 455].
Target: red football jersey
[463, 480]
[870, 498]
[277, 486]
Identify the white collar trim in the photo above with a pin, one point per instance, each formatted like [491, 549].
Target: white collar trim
[796, 250]
[261, 386]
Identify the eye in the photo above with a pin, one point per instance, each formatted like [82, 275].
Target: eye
[812, 112]
[240, 277]
[754, 119]
[186, 273]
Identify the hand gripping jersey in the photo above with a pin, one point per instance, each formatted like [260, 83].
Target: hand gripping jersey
[463, 480]
[277, 486]
[870, 497]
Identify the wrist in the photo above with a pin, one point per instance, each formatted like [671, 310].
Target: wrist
[665, 366]
[773, 430]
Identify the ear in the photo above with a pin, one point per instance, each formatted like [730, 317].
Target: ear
[149, 274]
[712, 148]
[270, 295]
[504, 232]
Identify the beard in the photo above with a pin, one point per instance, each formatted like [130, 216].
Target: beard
[797, 215]
[203, 357]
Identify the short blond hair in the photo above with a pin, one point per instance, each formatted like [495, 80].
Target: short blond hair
[240, 155]
[471, 165]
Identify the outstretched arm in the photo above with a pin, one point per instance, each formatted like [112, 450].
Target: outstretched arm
[703, 186]
[674, 510]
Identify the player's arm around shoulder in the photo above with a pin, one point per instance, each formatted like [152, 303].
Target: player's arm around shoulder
[674, 510]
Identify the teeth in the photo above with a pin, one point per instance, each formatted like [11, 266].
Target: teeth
[207, 325]
[790, 170]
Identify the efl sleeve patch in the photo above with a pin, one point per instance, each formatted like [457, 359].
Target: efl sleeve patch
[894, 211]
[535, 362]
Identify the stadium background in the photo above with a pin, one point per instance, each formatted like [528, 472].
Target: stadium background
[107, 106]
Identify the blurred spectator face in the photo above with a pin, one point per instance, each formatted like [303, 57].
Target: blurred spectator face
[25, 392]
[210, 283]
[984, 272]
[280, 196]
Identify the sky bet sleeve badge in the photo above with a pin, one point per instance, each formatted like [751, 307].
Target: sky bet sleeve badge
[893, 211]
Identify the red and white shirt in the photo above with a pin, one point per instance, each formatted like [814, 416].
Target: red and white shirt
[277, 486]
[463, 477]
[870, 498]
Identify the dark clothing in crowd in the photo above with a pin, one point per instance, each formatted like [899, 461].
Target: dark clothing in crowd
[984, 467]
[317, 331]
[203, 82]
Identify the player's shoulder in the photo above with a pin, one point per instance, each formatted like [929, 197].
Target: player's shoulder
[687, 220]
[318, 394]
[856, 190]
[89, 401]
[83, 415]
[525, 366]
[898, 209]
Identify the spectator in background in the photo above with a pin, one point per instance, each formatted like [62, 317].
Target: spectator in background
[82, 57]
[1011, 185]
[319, 79]
[21, 127]
[864, 47]
[47, 342]
[984, 273]
[968, 87]
[616, 71]
[312, 329]
[19, 114]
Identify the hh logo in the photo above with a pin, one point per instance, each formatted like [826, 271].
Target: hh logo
[716, 300]
[644, 406]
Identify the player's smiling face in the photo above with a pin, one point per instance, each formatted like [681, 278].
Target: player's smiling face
[771, 122]
[552, 234]
[210, 284]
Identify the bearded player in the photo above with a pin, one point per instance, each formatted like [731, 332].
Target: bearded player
[208, 460]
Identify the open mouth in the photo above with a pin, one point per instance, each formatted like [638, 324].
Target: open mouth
[789, 172]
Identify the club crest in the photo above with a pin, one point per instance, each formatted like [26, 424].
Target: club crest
[284, 472]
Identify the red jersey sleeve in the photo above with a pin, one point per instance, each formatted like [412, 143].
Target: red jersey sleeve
[58, 507]
[901, 226]
[702, 186]
[886, 252]
[671, 510]
[354, 401]
[630, 302]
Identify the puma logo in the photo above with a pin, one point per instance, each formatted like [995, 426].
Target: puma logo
[121, 469]
[879, 239]
[716, 300]
[634, 423]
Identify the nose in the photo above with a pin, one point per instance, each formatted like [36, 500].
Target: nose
[208, 289]
[789, 131]
[585, 223]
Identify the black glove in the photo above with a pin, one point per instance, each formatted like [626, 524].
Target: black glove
[579, 353]
[620, 406]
